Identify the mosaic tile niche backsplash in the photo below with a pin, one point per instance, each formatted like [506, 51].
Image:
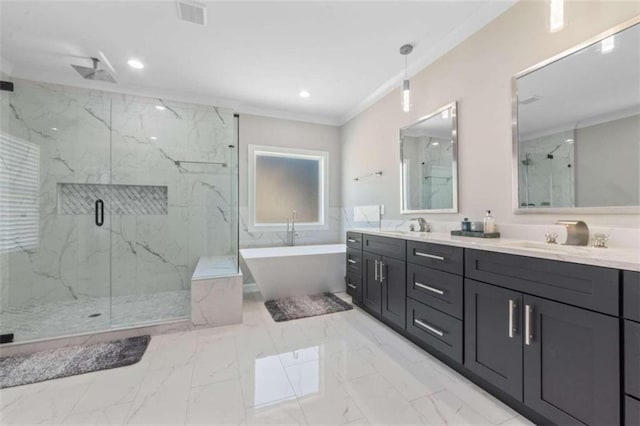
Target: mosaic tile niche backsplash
[162, 214]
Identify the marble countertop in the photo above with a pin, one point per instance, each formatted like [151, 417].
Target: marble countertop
[626, 259]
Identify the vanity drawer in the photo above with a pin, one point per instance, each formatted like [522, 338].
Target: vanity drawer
[436, 256]
[354, 286]
[436, 329]
[354, 261]
[631, 284]
[631, 411]
[354, 240]
[586, 286]
[385, 246]
[437, 289]
[632, 358]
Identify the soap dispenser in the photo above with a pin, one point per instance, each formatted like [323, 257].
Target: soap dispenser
[489, 223]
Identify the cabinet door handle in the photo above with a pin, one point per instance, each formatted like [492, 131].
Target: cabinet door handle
[527, 325]
[351, 240]
[352, 286]
[382, 265]
[512, 329]
[430, 256]
[376, 270]
[428, 327]
[429, 288]
[351, 261]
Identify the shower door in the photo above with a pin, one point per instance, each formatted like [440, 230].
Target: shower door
[54, 211]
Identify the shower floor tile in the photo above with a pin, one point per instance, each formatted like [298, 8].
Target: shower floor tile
[79, 316]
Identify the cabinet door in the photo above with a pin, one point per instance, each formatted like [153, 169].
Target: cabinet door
[571, 363]
[493, 335]
[394, 291]
[371, 287]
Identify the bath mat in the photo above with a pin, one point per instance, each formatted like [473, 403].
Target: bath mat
[63, 362]
[290, 308]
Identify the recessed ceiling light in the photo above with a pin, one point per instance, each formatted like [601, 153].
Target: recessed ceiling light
[436, 143]
[608, 44]
[304, 94]
[569, 140]
[154, 138]
[161, 107]
[55, 129]
[135, 64]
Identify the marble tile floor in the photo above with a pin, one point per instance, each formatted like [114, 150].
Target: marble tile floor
[72, 317]
[334, 369]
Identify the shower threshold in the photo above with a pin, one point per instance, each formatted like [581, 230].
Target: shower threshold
[58, 319]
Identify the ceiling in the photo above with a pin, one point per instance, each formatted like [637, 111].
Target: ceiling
[583, 89]
[253, 57]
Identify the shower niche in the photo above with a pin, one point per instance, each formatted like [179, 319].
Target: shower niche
[112, 200]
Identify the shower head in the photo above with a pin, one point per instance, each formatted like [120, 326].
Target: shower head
[93, 73]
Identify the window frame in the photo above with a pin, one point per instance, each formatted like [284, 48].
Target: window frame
[286, 152]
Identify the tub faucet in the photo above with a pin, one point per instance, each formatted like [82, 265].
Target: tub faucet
[424, 226]
[577, 232]
[291, 234]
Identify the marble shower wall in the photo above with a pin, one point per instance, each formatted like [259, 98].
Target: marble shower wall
[94, 137]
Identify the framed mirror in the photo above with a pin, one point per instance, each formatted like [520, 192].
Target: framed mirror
[429, 163]
[576, 133]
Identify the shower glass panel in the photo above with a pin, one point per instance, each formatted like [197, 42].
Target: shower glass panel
[107, 203]
[54, 258]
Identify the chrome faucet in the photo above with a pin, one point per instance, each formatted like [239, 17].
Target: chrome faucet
[423, 224]
[291, 234]
[577, 232]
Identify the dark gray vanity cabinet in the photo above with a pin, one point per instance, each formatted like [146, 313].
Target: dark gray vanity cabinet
[371, 288]
[493, 335]
[571, 364]
[631, 284]
[435, 297]
[547, 336]
[561, 361]
[383, 277]
[384, 290]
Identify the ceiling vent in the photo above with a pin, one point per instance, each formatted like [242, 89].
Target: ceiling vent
[191, 11]
[530, 100]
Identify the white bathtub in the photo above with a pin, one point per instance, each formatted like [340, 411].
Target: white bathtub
[299, 270]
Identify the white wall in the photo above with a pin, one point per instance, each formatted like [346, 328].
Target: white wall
[257, 130]
[477, 73]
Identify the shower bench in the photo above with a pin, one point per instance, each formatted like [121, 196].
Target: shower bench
[216, 292]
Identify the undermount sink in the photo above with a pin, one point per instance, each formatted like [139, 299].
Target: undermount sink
[547, 247]
[400, 232]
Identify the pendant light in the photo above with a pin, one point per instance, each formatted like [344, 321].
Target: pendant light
[406, 91]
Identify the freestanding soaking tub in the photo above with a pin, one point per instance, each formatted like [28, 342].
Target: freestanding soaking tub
[299, 270]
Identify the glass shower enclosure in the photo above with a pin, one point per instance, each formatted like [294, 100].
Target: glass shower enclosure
[107, 201]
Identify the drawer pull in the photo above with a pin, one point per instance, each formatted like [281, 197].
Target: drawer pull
[527, 325]
[351, 261]
[351, 240]
[428, 327]
[512, 329]
[430, 256]
[431, 289]
[352, 286]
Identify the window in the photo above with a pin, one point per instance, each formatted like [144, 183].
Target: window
[19, 194]
[282, 180]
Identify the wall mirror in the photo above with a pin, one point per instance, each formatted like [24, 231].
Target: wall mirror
[428, 161]
[576, 135]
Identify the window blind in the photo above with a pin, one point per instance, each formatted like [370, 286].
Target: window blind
[19, 194]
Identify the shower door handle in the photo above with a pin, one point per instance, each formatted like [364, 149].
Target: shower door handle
[99, 212]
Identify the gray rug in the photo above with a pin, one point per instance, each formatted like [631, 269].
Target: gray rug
[290, 308]
[63, 362]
